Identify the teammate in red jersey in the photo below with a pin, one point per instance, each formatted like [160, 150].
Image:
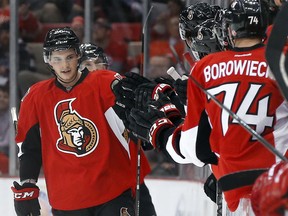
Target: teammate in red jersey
[94, 59]
[68, 126]
[239, 79]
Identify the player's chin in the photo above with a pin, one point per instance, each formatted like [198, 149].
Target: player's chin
[67, 77]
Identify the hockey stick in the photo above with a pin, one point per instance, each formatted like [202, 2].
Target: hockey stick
[277, 59]
[176, 56]
[137, 199]
[240, 121]
[14, 118]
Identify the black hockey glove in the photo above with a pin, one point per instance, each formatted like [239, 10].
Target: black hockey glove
[164, 80]
[147, 126]
[124, 101]
[210, 187]
[26, 199]
[165, 105]
[132, 80]
[150, 91]
[143, 95]
[181, 89]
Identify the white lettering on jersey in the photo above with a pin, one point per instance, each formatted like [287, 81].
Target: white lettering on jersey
[236, 67]
[259, 119]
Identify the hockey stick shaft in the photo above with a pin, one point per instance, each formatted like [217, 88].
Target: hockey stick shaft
[139, 142]
[14, 118]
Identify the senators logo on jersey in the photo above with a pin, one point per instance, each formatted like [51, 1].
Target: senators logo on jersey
[78, 135]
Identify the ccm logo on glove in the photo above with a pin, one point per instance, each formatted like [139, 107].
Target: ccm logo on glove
[158, 123]
[168, 107]
[26, 194]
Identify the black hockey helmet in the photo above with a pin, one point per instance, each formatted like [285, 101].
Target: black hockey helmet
[91, 51]
[247, 18]
[194, 15]
[60, 39]
[209, 38]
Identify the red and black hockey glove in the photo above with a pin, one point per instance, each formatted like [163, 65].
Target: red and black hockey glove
[147, 126]
[165, 105]
[149, 91]
[26, 199]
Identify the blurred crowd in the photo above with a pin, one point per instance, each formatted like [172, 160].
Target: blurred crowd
[166, 48]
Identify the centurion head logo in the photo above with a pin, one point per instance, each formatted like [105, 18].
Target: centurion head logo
[78, 135]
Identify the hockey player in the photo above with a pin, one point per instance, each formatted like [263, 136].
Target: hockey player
[94, 59]
[67, 125]
[239, 79]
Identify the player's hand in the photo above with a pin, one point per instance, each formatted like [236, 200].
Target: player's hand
[180, 87]
[132, 80]
[124, 97]
[165, 105]
[164, 80]
[149, 91]
[26, 199]
[143, 94]
[124, 101]
[210, 187]
[148, 125]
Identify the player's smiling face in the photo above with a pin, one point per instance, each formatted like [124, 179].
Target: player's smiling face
[64, 63]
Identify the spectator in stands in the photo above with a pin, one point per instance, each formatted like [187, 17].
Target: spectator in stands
[159, 26]
[116, 50]
[172, 41]
[119, 10]
[77, 25]
[56, 11]
[29, 25]
[158, 66]
[26, 62]
[4, 128]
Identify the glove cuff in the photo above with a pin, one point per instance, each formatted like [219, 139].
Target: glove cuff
[170, 111]
[162, 87]
[156, 128]
[25, 194]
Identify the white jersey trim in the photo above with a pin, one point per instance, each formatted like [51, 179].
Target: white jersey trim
[187, 148]
[281, 128]
[117, 127]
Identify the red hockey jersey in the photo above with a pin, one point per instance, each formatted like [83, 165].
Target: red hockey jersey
[86, 158]
[240, 80]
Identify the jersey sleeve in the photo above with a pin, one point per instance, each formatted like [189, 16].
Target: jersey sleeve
[183, 144]
[28, 138]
